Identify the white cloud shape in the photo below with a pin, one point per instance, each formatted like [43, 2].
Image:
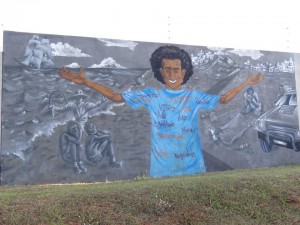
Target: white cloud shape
[60, 49]
[73, 65]
[119, 43]
[108, 62]
[254, 54]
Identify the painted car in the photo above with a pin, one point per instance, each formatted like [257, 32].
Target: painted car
[280, 125]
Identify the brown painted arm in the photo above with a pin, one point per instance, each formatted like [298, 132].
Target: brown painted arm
[80, 78]
[251, 80]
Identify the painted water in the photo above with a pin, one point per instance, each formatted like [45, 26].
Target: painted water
[26, 99]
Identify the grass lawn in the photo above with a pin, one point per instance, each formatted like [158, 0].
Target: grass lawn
[250, 196]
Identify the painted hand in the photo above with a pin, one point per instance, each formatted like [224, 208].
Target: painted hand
[254, 79]
[77, 78]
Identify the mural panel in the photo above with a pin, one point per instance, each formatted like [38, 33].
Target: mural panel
[77, 109]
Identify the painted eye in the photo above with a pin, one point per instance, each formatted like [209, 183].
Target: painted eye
[170, 70]
[176, 70]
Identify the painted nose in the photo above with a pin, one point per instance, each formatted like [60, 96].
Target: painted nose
[172, 75]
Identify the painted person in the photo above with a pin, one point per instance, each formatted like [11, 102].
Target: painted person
[79, 107]
[99, 145]
[176, 146]
[252, 103]
[69, 144]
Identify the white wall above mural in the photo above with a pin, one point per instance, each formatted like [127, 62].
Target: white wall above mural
[238, 24]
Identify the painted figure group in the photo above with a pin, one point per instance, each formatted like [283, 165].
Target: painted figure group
[98, 144]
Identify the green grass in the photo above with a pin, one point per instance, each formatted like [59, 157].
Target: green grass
[254, 196]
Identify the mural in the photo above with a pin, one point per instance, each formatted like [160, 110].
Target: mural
[77, 124]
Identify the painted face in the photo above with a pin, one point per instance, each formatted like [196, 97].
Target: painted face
[74, 130]
[172, 73]
[250, 92]
[91, 128]
[78, 100]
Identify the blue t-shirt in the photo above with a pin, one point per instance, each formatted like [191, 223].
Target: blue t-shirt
[176, 146]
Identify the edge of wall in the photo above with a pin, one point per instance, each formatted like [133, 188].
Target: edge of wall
[297, 78]
[1, 63]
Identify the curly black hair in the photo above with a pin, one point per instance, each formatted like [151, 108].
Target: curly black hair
[171, 52]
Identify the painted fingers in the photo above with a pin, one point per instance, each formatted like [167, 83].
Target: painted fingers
[255, 79]
[77, 78]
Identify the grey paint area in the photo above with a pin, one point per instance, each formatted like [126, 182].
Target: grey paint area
[31, 131]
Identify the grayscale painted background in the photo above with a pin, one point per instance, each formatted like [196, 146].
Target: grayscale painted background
[30, 150]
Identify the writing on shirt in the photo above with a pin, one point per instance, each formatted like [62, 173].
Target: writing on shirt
[163, 123]
[186, 130]
[182, 117]
[161, 114]
[167, 107]
[150, 95]
[162, 154]
[170, 136]
[201, 101]
[146, 97]
[184, 155]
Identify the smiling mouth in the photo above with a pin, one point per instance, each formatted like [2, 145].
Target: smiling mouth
[172, 81]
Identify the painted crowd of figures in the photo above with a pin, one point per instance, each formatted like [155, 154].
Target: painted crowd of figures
[98, 144]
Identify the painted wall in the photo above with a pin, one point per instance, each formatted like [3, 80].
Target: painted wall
[232, 135]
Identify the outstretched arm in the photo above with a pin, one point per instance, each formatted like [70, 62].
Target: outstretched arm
[80, 78]
[251, 80]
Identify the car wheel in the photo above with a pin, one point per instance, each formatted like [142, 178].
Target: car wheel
[265, 145]
[297, 145]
